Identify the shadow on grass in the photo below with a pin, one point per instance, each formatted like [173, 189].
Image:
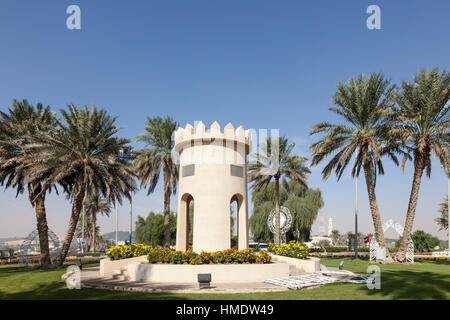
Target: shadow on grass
[40, 284]
[4, 271]
[444, 262]
[425, 281]
[58, 291]
[405, 284]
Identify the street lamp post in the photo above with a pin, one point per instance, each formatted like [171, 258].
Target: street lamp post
[117, 212]
[131, 219]
[356, 217]
[117, 223]
[82, 229]
[448, 209]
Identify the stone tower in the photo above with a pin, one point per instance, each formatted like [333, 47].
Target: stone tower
[213, 174]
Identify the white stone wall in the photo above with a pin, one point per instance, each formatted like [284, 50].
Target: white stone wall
[220, 273]
[309, 265]
[108, 266]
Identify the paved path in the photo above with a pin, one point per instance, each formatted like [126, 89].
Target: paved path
[90, 278]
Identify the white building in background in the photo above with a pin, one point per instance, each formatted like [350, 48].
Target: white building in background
[321, 236]
[330, 226]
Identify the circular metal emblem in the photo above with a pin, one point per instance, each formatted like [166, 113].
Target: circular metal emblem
[285, 220]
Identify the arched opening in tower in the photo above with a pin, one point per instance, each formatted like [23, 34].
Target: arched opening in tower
[187, 221]
[233, 224]
[190, 223]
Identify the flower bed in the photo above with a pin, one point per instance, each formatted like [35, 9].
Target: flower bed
[339, 249]
[35, 260]
[14, 261]
[166, 255]
[292, 249]
[124, 251]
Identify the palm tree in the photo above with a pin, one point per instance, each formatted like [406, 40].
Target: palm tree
[95, 204]
[442, 221]
[364, 103]
[422, 123]
[84, 155]
[157, 156]
[276, 162]
[17, 128]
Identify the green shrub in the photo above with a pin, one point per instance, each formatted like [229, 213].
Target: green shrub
[338, 249]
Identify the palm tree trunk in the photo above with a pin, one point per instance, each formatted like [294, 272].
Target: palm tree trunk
[373, 202]
[94, 227]
[75, 215]
[277, 211]
[166, 208]
[42, 228]
[419, 166]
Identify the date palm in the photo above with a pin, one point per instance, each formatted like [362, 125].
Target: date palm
[274, 162]
[94, 204]
[157, 156]
[364, 103]
[421, 124]
[84, 155]
[17, 128]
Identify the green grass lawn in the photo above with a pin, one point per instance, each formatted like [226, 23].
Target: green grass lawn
[428, 280]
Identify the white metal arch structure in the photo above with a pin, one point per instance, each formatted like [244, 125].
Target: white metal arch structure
[34, 236]
[392, 224]
[399, 229]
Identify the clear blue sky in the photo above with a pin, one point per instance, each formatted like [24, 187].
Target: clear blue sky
[256, 63]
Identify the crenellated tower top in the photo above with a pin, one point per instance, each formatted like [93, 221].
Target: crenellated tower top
[189, 135]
